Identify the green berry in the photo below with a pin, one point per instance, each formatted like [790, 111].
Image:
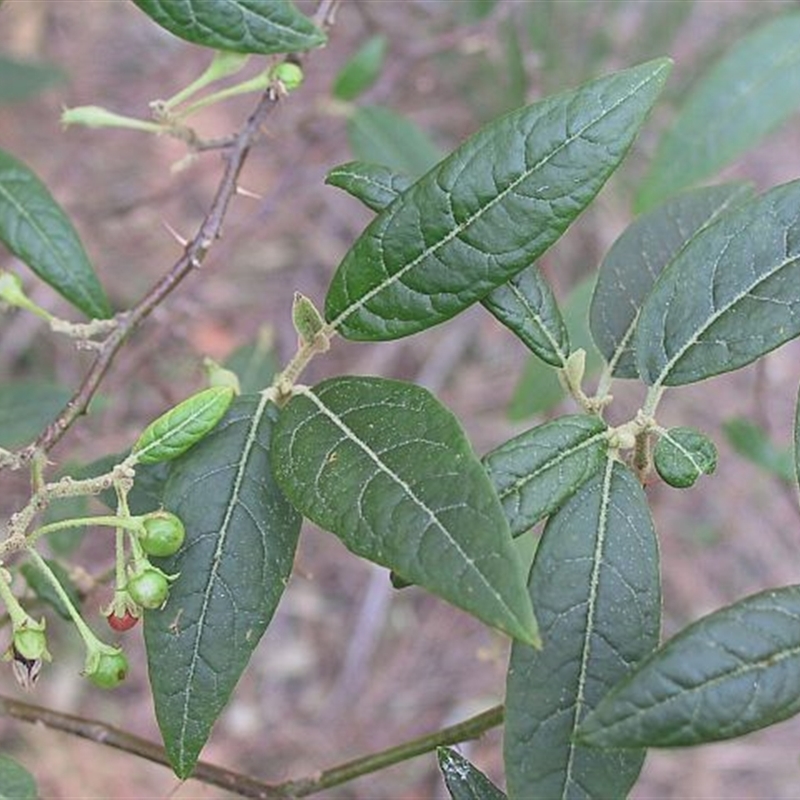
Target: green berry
[109, 670]
[149, 588]
[163, 534]
[290, 75]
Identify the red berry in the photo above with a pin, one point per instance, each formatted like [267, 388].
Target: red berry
[123, 623]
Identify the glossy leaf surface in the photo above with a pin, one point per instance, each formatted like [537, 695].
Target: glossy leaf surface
[243, 26]
[373, 184]
[38, 232]
[535, 472]
[682, 455]
[241, 535]
[526, 305]
[16, 783]
[174, 432]
[637, 258]
[595, 585]
[489, 209]
[732, 672]
[387, 468]
[750, 91]
[730, 296]
[463, 780]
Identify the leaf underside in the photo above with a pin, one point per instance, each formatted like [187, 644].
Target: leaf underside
[595, 585]
[732, 672]
[242, 26]
[463, 780]
[234, 567]
[384, 466]
[36, 230]
[489, 209]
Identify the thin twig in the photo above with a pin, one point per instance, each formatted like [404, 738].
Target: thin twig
[244, 785]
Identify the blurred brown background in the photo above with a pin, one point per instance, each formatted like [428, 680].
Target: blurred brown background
[349, 665]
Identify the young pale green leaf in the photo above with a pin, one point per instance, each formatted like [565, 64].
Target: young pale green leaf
[489, 209]
[730, 296]
[242, 26]
[732, 672]
[373, 184]
[174, 432]
[537, 471]
[637, 258]
[682, 455]
[751, 441]
[595, 585]
[748, 93]
[463, 780]
[241, 538]
[36, 230]
[16, 783]
[527, 306]
[379, 135]
[384, 466]
[362, 70]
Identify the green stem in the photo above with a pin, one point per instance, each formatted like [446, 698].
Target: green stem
[651, 401]
[257, 84]
[16, 612]
[128, 523]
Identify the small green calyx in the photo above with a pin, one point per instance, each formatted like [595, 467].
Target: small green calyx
[106, 667]
[30, 642]
[163, 534]
[289, 75]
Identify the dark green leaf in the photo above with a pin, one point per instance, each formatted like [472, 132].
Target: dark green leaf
[489, 209]
[751, 441]
[754, 88]
[36, 230]
[16, 783]
[539, 389]
[384, 466]
[44, 590]
[379, 135]
[241, 535]
[527, 306]
[682, 455]
[463, 780]
[731, 295]
[732, 672]
[362, 70]
[595, 585]
[26, 407]
[373, 184]
[255, 364]
[180, 428]
[535, 472]
[20, 80]
[243, 26]
[637, 258]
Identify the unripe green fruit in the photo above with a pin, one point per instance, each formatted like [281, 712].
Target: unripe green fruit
[290, 75]
[110, 670]
[163, 534]
[149, 589]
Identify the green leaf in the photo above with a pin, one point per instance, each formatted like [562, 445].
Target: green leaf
[362, 70]
[751, 441]
[243, 26]
[36, 230]
[526, 305]
[180, 428]
[26, 407]
[682, 455]
[731, 295]
[241, 535]
[255, 364]
[535, 472]
[44, 590]
[373, 184]
[637, 258]
[748, 93]
[539, 390]
[489, 209]
[16, 783]
[463, 780]
[20, 80]
[731, 672]
[384, 466]
[379, 135]
[595, 585]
